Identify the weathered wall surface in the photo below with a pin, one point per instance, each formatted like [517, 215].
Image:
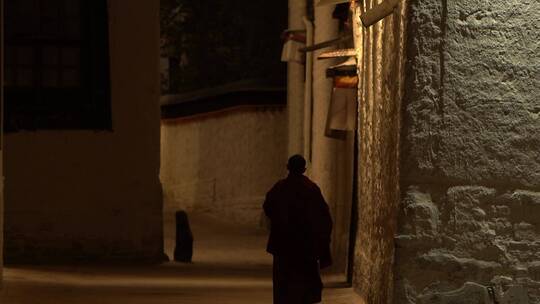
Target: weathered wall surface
[224, 163]
[74, 195]
[381, 67]
[471, 150]
[295, 85]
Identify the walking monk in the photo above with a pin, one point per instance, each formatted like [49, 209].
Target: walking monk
[299, 236]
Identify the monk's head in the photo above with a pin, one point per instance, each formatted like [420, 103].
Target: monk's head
[296, 164]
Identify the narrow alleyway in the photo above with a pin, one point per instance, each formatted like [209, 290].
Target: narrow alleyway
[229, 267]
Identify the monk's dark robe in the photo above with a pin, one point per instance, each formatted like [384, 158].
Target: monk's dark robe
[299, 239]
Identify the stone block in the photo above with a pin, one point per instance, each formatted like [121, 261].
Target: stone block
[516, 294]
[472, 114]
[459, 267]
[471, 196]
[421, 214]
[534, 270]
[404, 292]
[526, 232]
[529, 204]
[470, 293]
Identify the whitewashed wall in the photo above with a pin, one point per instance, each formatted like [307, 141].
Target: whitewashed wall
[224, 163]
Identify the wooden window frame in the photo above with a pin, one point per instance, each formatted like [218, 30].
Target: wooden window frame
[87, 106]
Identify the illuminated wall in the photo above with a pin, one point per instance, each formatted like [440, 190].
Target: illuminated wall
[380, 95]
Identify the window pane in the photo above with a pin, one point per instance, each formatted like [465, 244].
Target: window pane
[44, 52]
[50, 56]
[70, 78]
[50, 17]
[25, 77]
[72, 8]
[10, 25]
[73, 28]
[10, 56]
[71, 57]
[25, 55]
[8, 77]
[27, 7]
[50, 27]
[25, 17]
[50, 9]
[50, 77]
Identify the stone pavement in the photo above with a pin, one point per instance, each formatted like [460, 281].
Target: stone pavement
[229, 267]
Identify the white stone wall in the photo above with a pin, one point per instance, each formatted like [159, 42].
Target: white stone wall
[471, 151]
[224, 163]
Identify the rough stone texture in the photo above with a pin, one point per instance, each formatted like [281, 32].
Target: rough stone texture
[470, 170]
[474, 234]
[224, 163]
[381, 71]
[79, 195]
[472, 113]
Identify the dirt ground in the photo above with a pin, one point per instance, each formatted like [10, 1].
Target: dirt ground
[229, 266]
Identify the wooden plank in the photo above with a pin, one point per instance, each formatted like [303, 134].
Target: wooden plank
[338, 54]
[331, 2]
